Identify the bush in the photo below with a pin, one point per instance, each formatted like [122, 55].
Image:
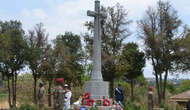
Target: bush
[171, 87]
[184, 86]
[27, 107]
[179, 107]
[131, 106]
[172, 106]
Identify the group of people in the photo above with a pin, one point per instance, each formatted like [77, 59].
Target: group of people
[61, 95]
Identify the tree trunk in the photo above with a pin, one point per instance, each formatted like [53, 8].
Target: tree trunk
[12, 90]
[35, 83]
[15, 85]
[161, 84]
[9, 90]
[165, 82]
[157, 82]
[132, 90]
[161, 88]
[111, 88]
[158, 89]
[49, 92]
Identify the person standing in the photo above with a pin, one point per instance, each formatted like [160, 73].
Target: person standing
[67, 98]
[150, 98]
[119, 94]
[58, 94]
[41, 95]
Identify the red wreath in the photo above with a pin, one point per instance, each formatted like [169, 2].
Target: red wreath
[106, 102]
[90, 102]
[87, 96]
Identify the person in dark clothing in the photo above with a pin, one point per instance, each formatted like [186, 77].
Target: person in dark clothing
[119, 94]
[188, 105]
[150, 98]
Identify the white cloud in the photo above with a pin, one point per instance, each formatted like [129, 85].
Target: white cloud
[39, 13]
[148, 70]
[181, 6]
[70, 15]
[25, 13]
[34, 13]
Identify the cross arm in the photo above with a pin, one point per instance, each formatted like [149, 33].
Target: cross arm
[91, 13]
[94, 14]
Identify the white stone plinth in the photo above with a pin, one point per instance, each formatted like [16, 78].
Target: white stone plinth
[97, 89]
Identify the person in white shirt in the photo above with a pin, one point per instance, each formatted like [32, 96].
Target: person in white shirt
[67, 98]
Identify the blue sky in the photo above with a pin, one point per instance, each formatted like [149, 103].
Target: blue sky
[59, 16]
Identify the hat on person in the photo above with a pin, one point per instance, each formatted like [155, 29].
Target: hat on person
[66, 85]
[150, 88]
[119, 84]
[59, 80]
[41, 84]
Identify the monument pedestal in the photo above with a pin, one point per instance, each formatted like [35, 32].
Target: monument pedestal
[97, 89]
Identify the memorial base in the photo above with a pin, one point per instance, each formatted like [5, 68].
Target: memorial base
[97, 89]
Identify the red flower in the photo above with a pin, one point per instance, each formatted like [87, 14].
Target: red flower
[87, 96]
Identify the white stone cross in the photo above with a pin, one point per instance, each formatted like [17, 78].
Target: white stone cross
[96, 71]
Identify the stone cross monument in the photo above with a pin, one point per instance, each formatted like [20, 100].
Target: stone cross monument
[97, 87]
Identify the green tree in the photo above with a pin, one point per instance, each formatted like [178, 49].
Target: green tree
[49, 69]
[159, 30]
[37, 42]
[114, 31]
[13, 54]
[4, 58]
[182, 51]
[69, 51]
[131, 63]
[171, 87]
[184, 86]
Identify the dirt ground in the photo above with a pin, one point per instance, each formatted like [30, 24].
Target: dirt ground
[5, 105]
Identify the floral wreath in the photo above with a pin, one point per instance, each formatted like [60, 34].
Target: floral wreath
[106, 102]
[90, 102]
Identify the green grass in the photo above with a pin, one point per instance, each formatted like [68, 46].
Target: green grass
[3, 97]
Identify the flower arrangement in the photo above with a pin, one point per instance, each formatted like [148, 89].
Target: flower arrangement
[106, 102]
[87, 96]
[90, 102]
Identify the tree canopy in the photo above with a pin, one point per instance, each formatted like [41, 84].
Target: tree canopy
[12, 58]
[70, 53]
[131, 63]
[159, 29]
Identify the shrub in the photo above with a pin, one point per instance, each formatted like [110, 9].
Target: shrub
[131, 106]
[27, 107]
[171, 106]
